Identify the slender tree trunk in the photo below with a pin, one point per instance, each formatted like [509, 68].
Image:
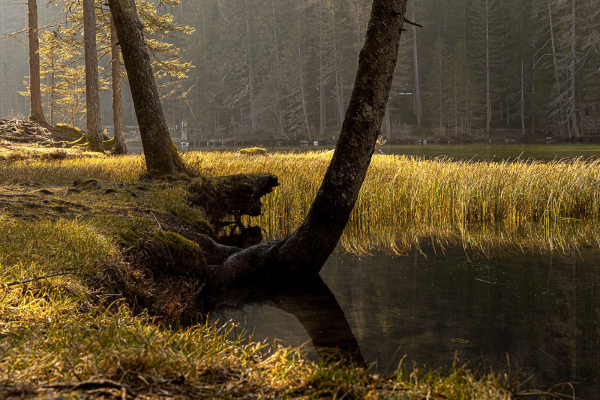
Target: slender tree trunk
[488, 96]
[522, 96]
[573, 68]
[92, 86]
[561, 116]
[278, 111]
[251, 90]
[36, 113]
[52, 79]
[304, 252]
[418, 108]
[388, 124]
[303, 96]
[533, 121]
[339, 89]
[161, 154]
[117, 99]
[322, 93]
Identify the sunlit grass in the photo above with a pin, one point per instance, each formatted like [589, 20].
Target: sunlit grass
[62, 330]
[403, 200]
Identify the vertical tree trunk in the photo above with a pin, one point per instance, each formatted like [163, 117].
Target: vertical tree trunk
[92, 86]
[278, 111]
[322, 94]
[161, 154]
[575, 128]
[36, 113]
[303, 95]
[339, 89]
[117, 99]
[488, 96]
[304, 252]
[251, 90]
[388, 124]
[561, 116]
[52, 81]
[418, 108]
[522, 95]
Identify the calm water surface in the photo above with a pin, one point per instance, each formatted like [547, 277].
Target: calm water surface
[543, 311]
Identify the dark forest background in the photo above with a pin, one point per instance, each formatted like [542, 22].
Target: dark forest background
[284, 69]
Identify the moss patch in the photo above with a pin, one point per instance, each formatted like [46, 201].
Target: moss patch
[253, 151]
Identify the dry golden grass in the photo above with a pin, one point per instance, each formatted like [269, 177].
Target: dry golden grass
[479, 205]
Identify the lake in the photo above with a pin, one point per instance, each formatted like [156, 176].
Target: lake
[542, 311]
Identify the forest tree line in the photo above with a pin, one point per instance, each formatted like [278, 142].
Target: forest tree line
[284, 69]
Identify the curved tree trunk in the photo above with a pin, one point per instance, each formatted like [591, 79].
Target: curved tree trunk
[35, 93]
[92, 85]
[161, 154]
[304, 252]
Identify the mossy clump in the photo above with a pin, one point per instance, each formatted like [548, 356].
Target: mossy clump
[253, 151]
[233, 195]
[68, 132]
[164, 252]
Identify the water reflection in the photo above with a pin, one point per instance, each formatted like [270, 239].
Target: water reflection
[311, 303]
[541, 310]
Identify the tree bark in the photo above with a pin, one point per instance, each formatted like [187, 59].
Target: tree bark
[36, 113]
[161, 154]
[92, 86]
[117, 99]
[304, 252]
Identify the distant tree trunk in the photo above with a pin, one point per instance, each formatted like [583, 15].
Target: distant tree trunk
[117, 99]
[92, 86]
[488, 96]
[522, 96]
[322, 93]
[388, 125]
[339, 88]
[36, 113]
[304, 252]
[276, 76]
[573, 68]
[418, 107]
[251, 89]
[561, 116]
[161, 154]
[303, 95]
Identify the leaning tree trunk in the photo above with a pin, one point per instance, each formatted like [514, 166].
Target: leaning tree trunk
[117, 98]
[304, 252]
[35, 93]
[161, 154]
[92, 85]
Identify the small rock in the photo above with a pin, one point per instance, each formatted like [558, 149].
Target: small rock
[45, 191]
[109, 191]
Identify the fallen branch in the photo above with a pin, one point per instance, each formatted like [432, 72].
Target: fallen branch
[37, 278]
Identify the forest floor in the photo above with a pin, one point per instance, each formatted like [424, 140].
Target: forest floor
[94, 304]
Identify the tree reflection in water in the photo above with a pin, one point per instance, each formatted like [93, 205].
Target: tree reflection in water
[311, 303]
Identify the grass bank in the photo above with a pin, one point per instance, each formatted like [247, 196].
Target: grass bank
[484, 206]
[71, 335]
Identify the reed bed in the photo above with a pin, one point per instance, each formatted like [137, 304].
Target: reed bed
[526, 203]
[480, 205]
